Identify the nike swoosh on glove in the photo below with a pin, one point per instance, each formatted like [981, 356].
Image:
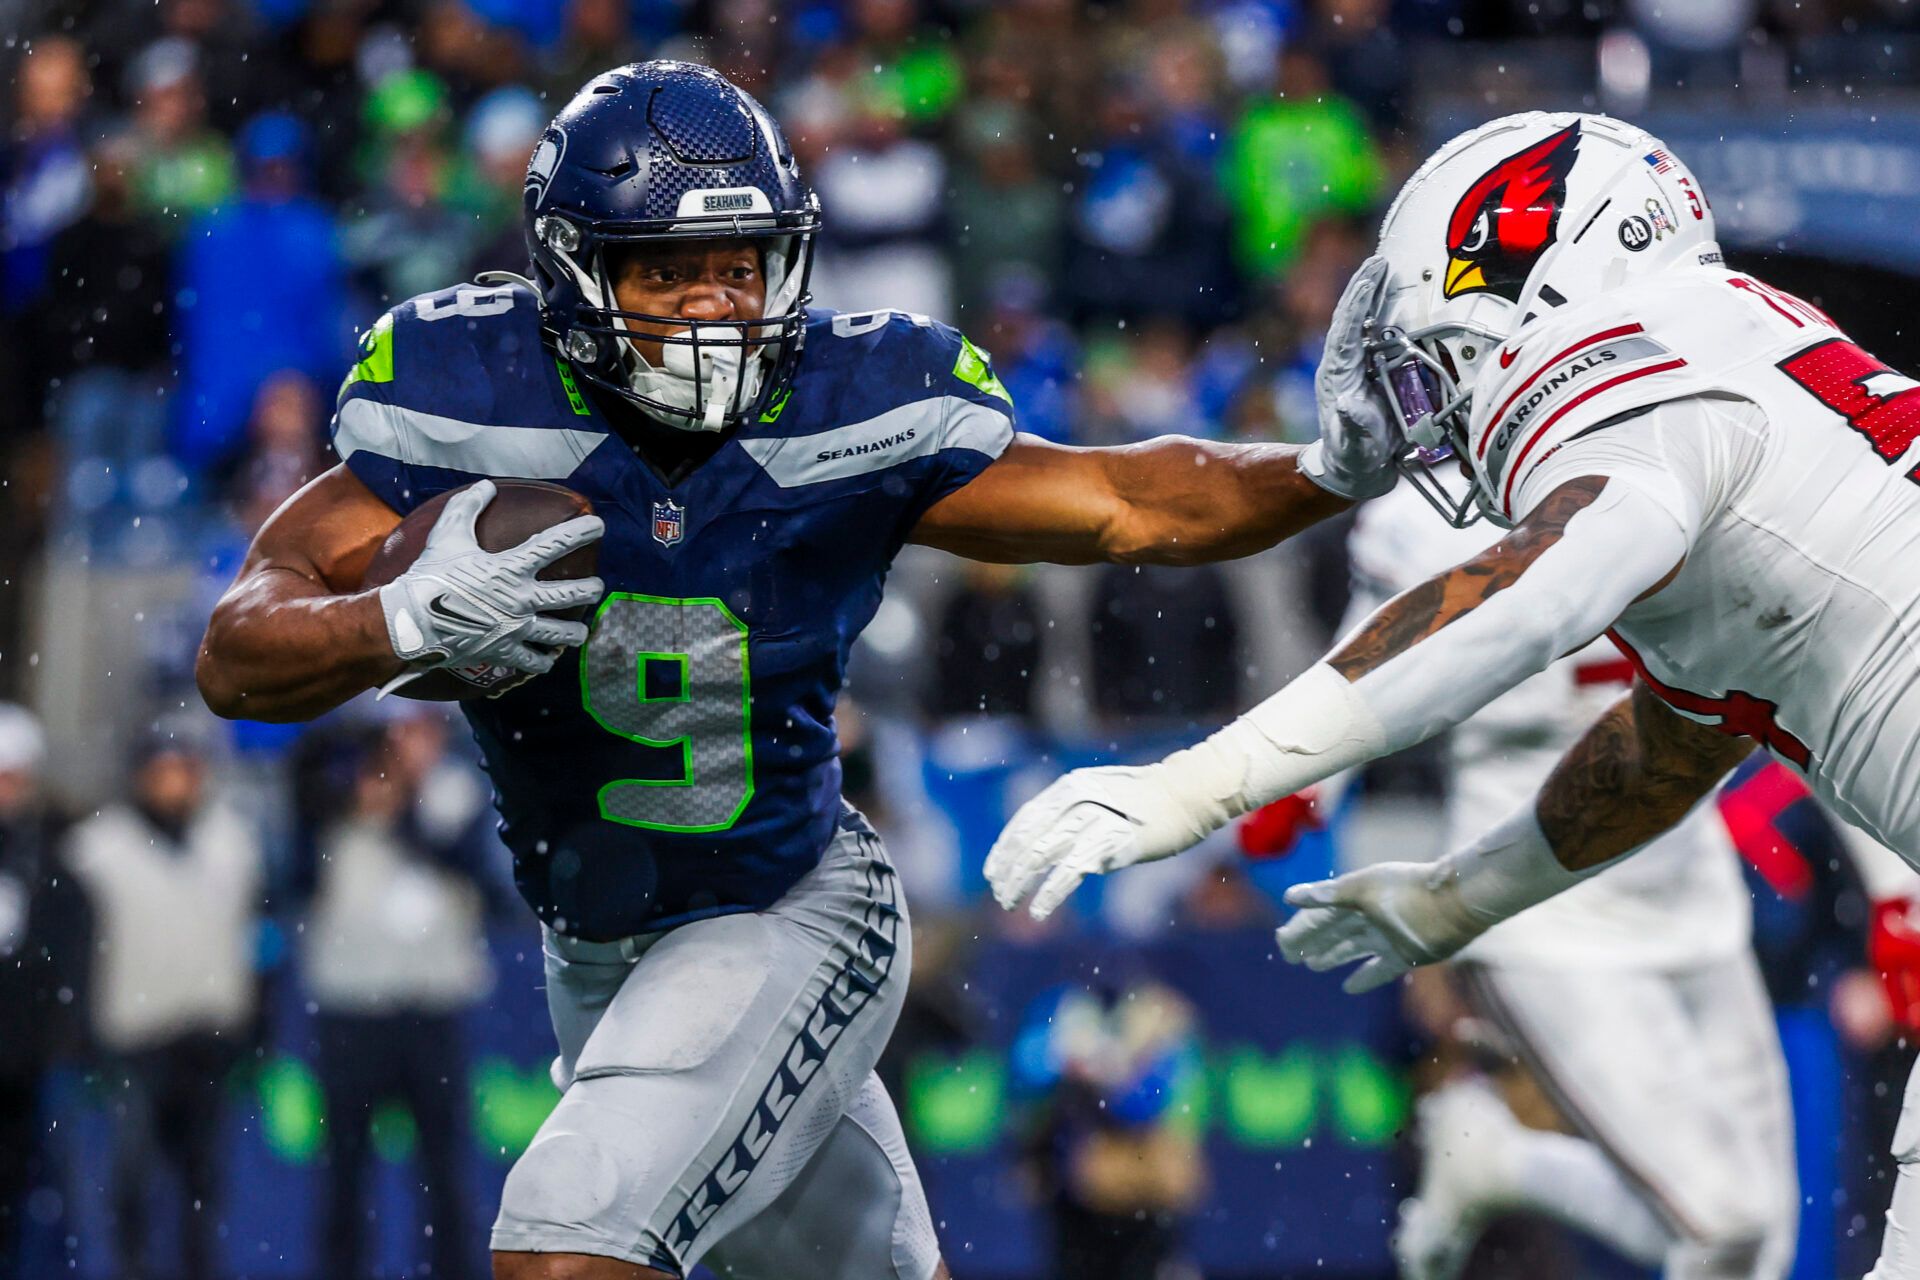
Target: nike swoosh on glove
[1359, 439]
[1089, 822]
[460, 605]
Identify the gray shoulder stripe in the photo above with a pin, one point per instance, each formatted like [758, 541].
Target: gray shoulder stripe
[428, 440]
[917, 430]
[975, 426]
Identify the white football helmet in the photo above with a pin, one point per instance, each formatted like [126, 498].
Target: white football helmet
[1503, 224]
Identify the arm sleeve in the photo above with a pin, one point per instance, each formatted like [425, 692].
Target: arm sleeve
[1377, 573]
[1611, 552]
[1660, 471]
[1639, 528]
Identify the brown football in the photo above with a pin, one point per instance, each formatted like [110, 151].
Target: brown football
[520, 509]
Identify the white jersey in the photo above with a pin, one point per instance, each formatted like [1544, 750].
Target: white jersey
[1793, 617]
[1679, 902]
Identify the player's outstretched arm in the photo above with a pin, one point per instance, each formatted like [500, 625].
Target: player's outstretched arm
[1428, 659]
[1636, 772]
[1170, 500]
[1176, 500]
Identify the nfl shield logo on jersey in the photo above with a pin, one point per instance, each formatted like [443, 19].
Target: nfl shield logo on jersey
[669, 522]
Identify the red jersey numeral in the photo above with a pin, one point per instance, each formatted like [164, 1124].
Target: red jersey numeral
[1693, 199]
[1800, 312]
[1880, 404]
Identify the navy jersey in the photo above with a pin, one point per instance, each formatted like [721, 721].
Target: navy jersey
[683, 762]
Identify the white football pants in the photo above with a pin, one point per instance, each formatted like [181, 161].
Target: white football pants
[1679, 1079]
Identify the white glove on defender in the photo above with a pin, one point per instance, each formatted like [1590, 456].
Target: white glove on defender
[1396, 915]
[1400, 915]
[463, 606]
[1099, 820]
[1089, 822]
[1359, 440]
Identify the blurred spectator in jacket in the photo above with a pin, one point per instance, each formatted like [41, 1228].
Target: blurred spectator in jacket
[752, 53]
[909, 72]
[43, 167]
[501, 133]
[1165, 642]
[463, 49]
[394, 879]
[1005, 210]
[1276, 400]
[185, 167]
[43, 188]
[1140, 384]
[1037, 55]
[239, 323]
[284, 447]
[1367, 61]
[1034, 354]
[1116, 1156]
[988, 648]
[240, 65]
[173, 877]
[596, 34]
[409, 240]
[112, 270]
[43, 960]
[104, 334]
[1294, 158]
[888, 187]
[1149, 230]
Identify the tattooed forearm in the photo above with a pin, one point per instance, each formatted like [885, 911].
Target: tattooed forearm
[1410, 618]
[1633, 774]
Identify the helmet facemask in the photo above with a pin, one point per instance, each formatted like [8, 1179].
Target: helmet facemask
[1420, 380]
[711, 375]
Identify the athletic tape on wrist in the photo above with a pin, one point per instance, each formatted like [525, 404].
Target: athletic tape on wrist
[1508, 869]
[1310, 730]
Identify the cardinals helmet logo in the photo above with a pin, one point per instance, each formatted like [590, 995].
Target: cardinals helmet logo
[1508, 218]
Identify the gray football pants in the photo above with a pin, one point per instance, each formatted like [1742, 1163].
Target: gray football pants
[719, 1099]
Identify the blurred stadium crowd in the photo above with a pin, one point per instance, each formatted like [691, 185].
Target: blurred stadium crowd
[239, 951]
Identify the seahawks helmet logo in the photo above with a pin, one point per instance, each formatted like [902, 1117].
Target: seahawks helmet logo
[546, 159]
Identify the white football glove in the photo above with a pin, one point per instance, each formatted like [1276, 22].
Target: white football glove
[1399, 915]
[1089, 822]
[1394, 915]
[462, 606]
[1099, 820]
[1359, 439]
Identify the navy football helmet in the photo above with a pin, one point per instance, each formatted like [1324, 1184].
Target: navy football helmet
[660, 151]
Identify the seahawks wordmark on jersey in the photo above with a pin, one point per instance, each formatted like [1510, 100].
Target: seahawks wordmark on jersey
[683, 763]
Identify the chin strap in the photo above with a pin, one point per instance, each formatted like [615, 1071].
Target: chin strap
[734, 371]
[678, 384]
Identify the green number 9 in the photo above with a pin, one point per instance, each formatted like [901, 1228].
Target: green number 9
[672, 674]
